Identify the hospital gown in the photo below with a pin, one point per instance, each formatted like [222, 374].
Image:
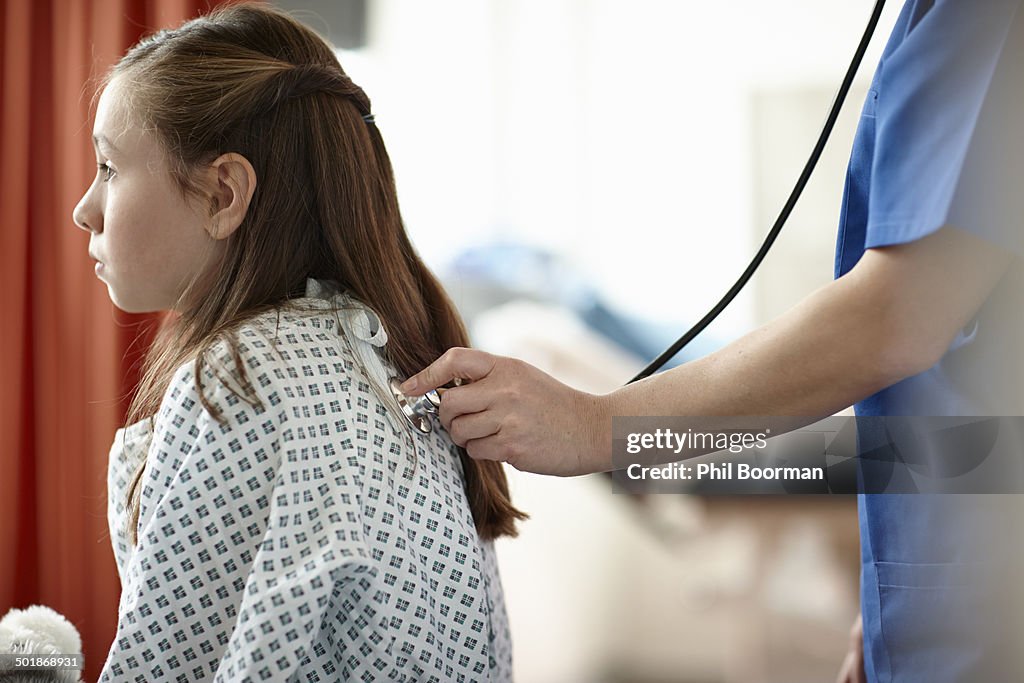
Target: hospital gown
[304, 540]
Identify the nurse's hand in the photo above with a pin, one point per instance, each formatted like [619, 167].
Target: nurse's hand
[513, 412]
[852, 670]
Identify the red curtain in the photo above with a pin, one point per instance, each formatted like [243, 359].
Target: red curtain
[68, 357]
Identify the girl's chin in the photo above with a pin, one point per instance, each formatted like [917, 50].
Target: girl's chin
[132, 304]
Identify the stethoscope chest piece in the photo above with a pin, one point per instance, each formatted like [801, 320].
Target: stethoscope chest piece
[417, 409]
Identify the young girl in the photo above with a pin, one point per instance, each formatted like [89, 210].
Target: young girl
[274, 516]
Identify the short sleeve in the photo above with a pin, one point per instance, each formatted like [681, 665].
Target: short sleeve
[948, 148]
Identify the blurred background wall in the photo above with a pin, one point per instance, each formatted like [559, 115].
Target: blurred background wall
[587, 177]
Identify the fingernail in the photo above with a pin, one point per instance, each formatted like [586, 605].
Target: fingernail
[408, 386]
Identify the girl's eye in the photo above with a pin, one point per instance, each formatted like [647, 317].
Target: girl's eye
[107, 172]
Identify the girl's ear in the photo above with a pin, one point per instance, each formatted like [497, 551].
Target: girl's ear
[234, 182]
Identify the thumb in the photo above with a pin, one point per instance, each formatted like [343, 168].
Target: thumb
[457, 362]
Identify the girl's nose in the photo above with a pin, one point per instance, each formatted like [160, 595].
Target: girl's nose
[86, 218]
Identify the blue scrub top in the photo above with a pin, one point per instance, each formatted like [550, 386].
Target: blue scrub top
[941, 143]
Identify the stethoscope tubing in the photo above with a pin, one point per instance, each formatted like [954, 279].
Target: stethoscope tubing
[787, 209]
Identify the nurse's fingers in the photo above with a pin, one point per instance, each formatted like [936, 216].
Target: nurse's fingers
[852, 669]
[487, 448]
[477, 426]
[467, 399]
[456, 363]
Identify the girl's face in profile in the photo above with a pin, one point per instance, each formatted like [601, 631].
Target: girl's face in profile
[149, 238]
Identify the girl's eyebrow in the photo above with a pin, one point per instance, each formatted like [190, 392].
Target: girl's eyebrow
[102, 141]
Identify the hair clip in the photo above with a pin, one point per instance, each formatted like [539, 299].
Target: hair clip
[368, 118]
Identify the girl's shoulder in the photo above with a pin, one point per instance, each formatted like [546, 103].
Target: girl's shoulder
[323, 314]
[324, 342]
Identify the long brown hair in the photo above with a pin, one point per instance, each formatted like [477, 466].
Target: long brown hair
[252, 80]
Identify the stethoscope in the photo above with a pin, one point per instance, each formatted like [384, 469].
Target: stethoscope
[418, 409]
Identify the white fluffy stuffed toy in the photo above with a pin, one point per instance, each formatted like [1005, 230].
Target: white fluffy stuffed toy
[38, 630]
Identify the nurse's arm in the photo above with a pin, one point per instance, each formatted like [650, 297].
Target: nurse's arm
[892, 316]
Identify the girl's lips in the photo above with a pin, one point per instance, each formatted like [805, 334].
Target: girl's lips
[98, 267]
